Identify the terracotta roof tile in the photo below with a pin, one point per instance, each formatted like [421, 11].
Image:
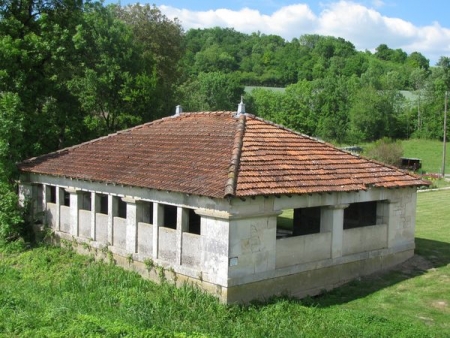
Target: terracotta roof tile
[217, 154]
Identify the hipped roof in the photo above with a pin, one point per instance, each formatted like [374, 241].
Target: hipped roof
[219, 154]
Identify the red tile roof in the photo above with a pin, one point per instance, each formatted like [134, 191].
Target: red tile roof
[217, 154]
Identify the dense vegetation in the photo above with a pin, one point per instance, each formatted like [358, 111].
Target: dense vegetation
[75, 70]
[53, 292]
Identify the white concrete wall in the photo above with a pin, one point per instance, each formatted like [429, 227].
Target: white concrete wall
[101, 228]
[120, 233]
[303, 249]
[190, 255]
[364, 239]
[65, 219]
[145, 239]
[51, 215]
[253, 245]
[215, 253]
[167, 244]
[84, 223]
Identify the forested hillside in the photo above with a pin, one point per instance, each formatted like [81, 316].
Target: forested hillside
[75, 70]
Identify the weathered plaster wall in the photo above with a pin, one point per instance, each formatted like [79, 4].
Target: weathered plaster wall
[145, 239]
[85, 223]
[364, 239]
[303, 249]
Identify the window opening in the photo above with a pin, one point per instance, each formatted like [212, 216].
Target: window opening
[194, 222]
[298, 222]
[360, 215]
[170, 216]
[52, 194]
[103, 204]
[66, 199]
[122, 209]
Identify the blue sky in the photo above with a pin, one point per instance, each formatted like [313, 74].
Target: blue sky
[413, 25]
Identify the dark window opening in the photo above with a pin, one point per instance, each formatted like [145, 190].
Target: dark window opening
[103, 204]
[147, 211]
[170, 217]
[52, 194]
[122, 209]
[298, 222]
[86, 201]
[360, 215]
[194, 222]
[66, 201]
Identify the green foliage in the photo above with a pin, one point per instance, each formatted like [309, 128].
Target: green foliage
[387, 151]
[12, 223]
[211, 92]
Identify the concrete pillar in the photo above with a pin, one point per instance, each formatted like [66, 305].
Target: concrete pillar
[75, 203]
[158, 220]
[95, 207]
[59, 195]
[393, 221]
[45, 200]
[25, 192]
[332, 220]
[182, 226]
[113, 205]
[131, 224]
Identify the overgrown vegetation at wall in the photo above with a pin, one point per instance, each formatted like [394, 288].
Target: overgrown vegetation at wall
[53, 292]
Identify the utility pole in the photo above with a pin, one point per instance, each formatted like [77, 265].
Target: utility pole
[444, 150]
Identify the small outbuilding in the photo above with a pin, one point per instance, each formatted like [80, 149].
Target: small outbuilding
[238, 205]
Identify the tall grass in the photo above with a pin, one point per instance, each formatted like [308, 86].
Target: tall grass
[430, 152]
[53, 292]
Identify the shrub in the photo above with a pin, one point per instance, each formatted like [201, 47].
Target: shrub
[12, 224]
[387, 151]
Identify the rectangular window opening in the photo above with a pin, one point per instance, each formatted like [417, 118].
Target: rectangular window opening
[66, 201]
[52, 194]
[170, 216]
[122, 209]
[359, 215]
[194, 222]
[298, 222]
[147, 212]
[103, 209]
[85, 201]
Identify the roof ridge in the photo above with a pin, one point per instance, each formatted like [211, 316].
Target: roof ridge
[233, 169]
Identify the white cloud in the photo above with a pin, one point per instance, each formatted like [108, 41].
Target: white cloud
[365, 27]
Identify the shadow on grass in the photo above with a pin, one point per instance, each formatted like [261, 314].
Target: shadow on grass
[428, 254]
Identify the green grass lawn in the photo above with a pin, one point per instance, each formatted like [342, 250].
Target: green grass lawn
[430, 152]
[53, 292]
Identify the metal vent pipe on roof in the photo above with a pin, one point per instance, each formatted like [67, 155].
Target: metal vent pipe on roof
[241, 107]
[178, 110]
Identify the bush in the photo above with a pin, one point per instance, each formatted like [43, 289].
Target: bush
[387, 151]
[12, 224]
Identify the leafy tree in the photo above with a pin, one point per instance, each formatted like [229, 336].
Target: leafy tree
[160, 44]
[211, 91]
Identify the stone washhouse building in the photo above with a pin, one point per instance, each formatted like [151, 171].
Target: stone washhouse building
[240, 206]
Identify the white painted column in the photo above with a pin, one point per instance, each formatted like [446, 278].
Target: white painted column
[182, 226]
[95, 207]
[112, 211]
[332, 220]
[25, 192]
[393, 222]
[75, 202]
[158, 220]
[59, 194]
[45, 199]
[131, 224]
